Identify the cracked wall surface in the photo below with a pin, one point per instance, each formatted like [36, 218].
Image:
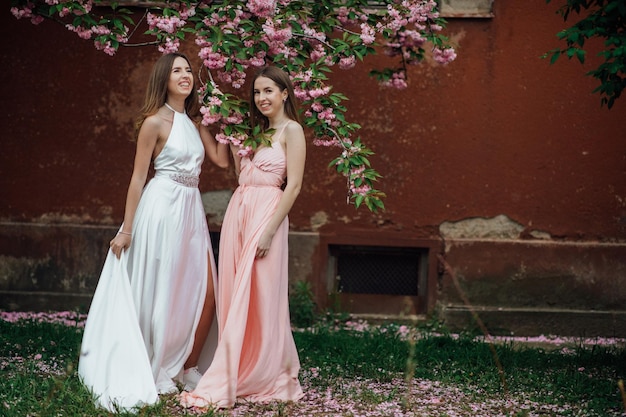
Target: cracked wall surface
[498, 227]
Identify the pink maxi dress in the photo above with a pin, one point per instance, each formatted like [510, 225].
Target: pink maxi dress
[256, 357]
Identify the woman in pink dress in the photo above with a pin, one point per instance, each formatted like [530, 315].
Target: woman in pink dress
[256, 357]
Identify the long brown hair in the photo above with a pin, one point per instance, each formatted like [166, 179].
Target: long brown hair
[156, 93]
[282, 80]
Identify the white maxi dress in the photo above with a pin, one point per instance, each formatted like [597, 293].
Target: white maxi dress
[146, 307]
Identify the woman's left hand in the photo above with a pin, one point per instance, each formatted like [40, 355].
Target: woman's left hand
[264, 244]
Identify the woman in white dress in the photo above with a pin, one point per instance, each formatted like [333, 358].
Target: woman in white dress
[156, 291]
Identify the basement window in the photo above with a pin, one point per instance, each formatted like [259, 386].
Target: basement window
[378, 279]
[466, 8]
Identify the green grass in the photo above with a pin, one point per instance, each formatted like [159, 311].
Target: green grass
[589, 375]
[361, 371]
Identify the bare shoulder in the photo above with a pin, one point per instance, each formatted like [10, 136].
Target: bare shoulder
[163, 117]
[159, 123]
[152, 124]
[294, 131]
[294, 142]
[153, 130]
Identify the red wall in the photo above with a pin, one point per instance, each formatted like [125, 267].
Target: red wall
[498, 131]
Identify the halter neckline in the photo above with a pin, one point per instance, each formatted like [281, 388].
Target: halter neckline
[172, 109]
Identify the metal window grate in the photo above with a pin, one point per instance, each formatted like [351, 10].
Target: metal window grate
[378, 270]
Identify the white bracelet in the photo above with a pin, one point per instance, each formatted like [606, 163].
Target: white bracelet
[125, 233]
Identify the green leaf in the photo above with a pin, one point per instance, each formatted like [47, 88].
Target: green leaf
[555, 56]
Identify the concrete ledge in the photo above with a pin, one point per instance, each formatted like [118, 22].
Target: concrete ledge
[44, 301]
[533, 287]
[51, 258]
[534, 322]
[536, 275]
[56, 267]
[524, 287]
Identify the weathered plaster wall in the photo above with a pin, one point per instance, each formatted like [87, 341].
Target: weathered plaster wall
[499, 131]
[498, 134]
[518, 282]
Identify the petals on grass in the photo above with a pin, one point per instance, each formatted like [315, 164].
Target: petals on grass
[66, 318]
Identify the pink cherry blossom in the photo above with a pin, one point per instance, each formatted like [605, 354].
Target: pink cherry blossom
[221, 138]
[319, 92]
[317, 107]
[326, 141]
[170, 45]
[444, 56]
[35, 20]
[342, 14]
[262, 8]
[301, 93]
[209, 118]
[318, 52]
[397, 80]
[245, 151]
[212, 60]
[167, 24]
[80, 31]
[347, 62]
[368, 34]
[100, 30]
[25, 11]
[105, 46]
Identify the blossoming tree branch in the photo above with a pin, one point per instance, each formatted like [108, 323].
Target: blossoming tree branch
[308, 39]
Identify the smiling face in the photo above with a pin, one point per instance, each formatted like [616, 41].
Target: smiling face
[181, 78]
[268, 97]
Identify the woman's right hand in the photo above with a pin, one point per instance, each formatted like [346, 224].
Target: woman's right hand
[119, 243]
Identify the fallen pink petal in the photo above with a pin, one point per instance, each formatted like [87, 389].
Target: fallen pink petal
[332, 389]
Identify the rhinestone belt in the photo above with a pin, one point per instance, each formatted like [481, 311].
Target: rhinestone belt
[186, 180]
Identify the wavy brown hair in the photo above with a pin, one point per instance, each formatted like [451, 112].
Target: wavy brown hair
[156, 93]
[282, 80]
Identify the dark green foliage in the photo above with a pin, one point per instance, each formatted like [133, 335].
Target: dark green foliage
[302, 307]
[604, 20]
